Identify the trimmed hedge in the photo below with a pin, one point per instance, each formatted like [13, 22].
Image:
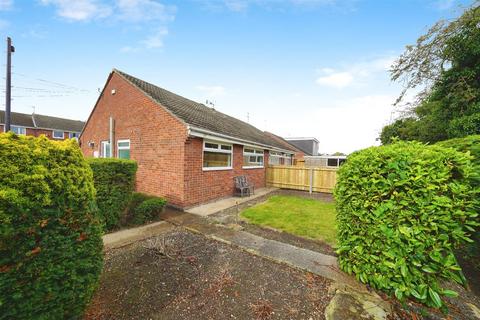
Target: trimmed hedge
[470, 144]
[401, 208]
[143, 208]
[114, 181]
[50, 236]
[148, 210]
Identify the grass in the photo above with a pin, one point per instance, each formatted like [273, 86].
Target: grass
[300, 216]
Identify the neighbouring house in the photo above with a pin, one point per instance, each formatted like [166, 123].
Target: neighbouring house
[278, 158]
[329, 161]
[186, 151]
[37, 124]
[308, 145]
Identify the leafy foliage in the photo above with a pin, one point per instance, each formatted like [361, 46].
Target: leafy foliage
[50, 236]
[148, 210]
[401, 209]
[446, 61]
[114, 181]
[470, 144]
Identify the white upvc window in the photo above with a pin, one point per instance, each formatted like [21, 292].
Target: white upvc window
[217, 155]
[274, 158]
[58, 134]
[252, 158]
[105, 151]
[123, 149]
[73, 135]
[279, 158]
[18, 130]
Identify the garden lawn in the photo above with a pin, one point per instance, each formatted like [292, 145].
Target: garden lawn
[300, 216]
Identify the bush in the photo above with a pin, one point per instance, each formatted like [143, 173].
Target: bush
[401, 209]
[50, 236]
[114, 181]
[148, 210]
[470, 144]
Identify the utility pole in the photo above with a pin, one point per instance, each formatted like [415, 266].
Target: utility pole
[8, 87]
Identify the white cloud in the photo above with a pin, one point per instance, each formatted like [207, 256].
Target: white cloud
[212, 92]
[149, 15]
[354, 74]
[155, 40]
[144, 10]
[336, 80]
[6, 4]
[79, 10]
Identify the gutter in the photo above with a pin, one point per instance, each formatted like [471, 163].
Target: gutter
[207, 134]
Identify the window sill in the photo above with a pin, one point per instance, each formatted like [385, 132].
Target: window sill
[57, 138]
[253, 167]
[216, 168]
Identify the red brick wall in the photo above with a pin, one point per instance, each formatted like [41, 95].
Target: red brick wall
[37, 132]
[202, 186]
[156, 138]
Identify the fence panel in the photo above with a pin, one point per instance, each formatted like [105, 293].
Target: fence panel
[300, 178]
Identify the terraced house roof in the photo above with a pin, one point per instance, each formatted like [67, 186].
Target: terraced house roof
[40, 121]
[200, 116]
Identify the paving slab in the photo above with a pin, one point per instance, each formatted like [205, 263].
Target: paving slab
[222, 204]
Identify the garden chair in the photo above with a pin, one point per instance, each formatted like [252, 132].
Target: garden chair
[242, 187]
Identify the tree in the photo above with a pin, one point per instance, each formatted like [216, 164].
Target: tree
[445, 62]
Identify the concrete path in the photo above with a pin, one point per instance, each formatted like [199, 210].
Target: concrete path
[124, 237]
[216, 206]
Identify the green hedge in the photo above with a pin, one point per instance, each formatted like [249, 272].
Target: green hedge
[401, 209]
[50, 236]
[114, 181]
[470, 144]
[148, 210]
[143, 208]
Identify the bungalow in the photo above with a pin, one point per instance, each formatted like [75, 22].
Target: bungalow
[186, 151]
[36, 124]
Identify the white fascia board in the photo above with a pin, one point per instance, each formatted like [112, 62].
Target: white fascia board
[210, 135]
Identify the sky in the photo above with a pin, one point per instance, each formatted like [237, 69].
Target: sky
[297, 68]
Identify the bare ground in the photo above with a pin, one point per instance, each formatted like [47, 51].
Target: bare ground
[182, 275]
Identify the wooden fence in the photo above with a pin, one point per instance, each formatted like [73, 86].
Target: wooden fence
[300, 178]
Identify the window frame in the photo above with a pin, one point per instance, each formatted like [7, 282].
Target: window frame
[53, 134]
[282, 158]
[217, 150]
[253, 154]
[72, 133]
[102, 149]
[123, 148]
[23, 129]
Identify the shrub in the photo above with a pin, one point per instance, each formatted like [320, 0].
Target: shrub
[114, 181]
[470, 144]
[50, 236]
[401, 208]
[148, 210]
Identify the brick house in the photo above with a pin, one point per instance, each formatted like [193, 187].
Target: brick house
[36, 124]
[186, 151]
[281, 159]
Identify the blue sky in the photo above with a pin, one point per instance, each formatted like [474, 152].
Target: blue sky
[294, 67]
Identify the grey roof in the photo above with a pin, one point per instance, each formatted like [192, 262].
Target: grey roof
[198, 115]
[42, 121]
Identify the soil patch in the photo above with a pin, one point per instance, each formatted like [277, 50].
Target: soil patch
[182, 275]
